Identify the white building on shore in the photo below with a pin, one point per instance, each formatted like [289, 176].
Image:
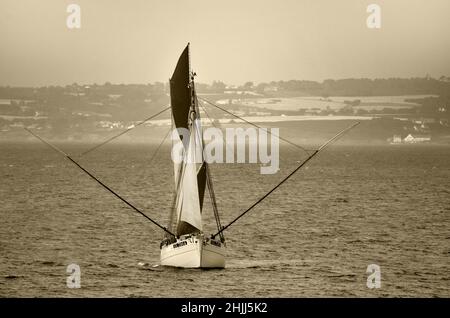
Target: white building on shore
[416, 138]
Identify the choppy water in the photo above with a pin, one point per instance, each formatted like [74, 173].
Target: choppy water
[351, 207]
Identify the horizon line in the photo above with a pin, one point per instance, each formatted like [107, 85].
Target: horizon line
[255, 83]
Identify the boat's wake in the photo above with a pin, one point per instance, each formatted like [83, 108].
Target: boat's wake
[234, 264]
[263, 264]
[149, 266]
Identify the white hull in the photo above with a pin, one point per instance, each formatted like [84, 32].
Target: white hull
[193, 251]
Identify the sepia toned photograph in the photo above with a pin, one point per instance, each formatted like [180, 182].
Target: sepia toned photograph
[224, 150]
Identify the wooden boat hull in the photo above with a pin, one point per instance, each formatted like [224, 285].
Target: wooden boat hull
[193, 252]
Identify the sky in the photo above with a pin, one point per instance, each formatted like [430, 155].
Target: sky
[139, 41]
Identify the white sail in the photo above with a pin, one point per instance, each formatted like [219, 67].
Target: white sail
[177, 156]
[188, 203]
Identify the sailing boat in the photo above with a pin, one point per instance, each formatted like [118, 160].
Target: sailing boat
[185, 243]
[190, 248]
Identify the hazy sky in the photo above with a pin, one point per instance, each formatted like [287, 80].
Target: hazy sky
[134, 41]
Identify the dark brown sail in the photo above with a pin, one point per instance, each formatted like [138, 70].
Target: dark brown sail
[180, 93]
[201, 181]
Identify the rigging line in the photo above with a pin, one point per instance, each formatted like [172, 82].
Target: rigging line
[160, 145]
[287, 177]
[208, 176]
[214, 203]
[255, 125]
[156, 152]
[123, 132]
[100, 182]
[214, 125]
[209, 182]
